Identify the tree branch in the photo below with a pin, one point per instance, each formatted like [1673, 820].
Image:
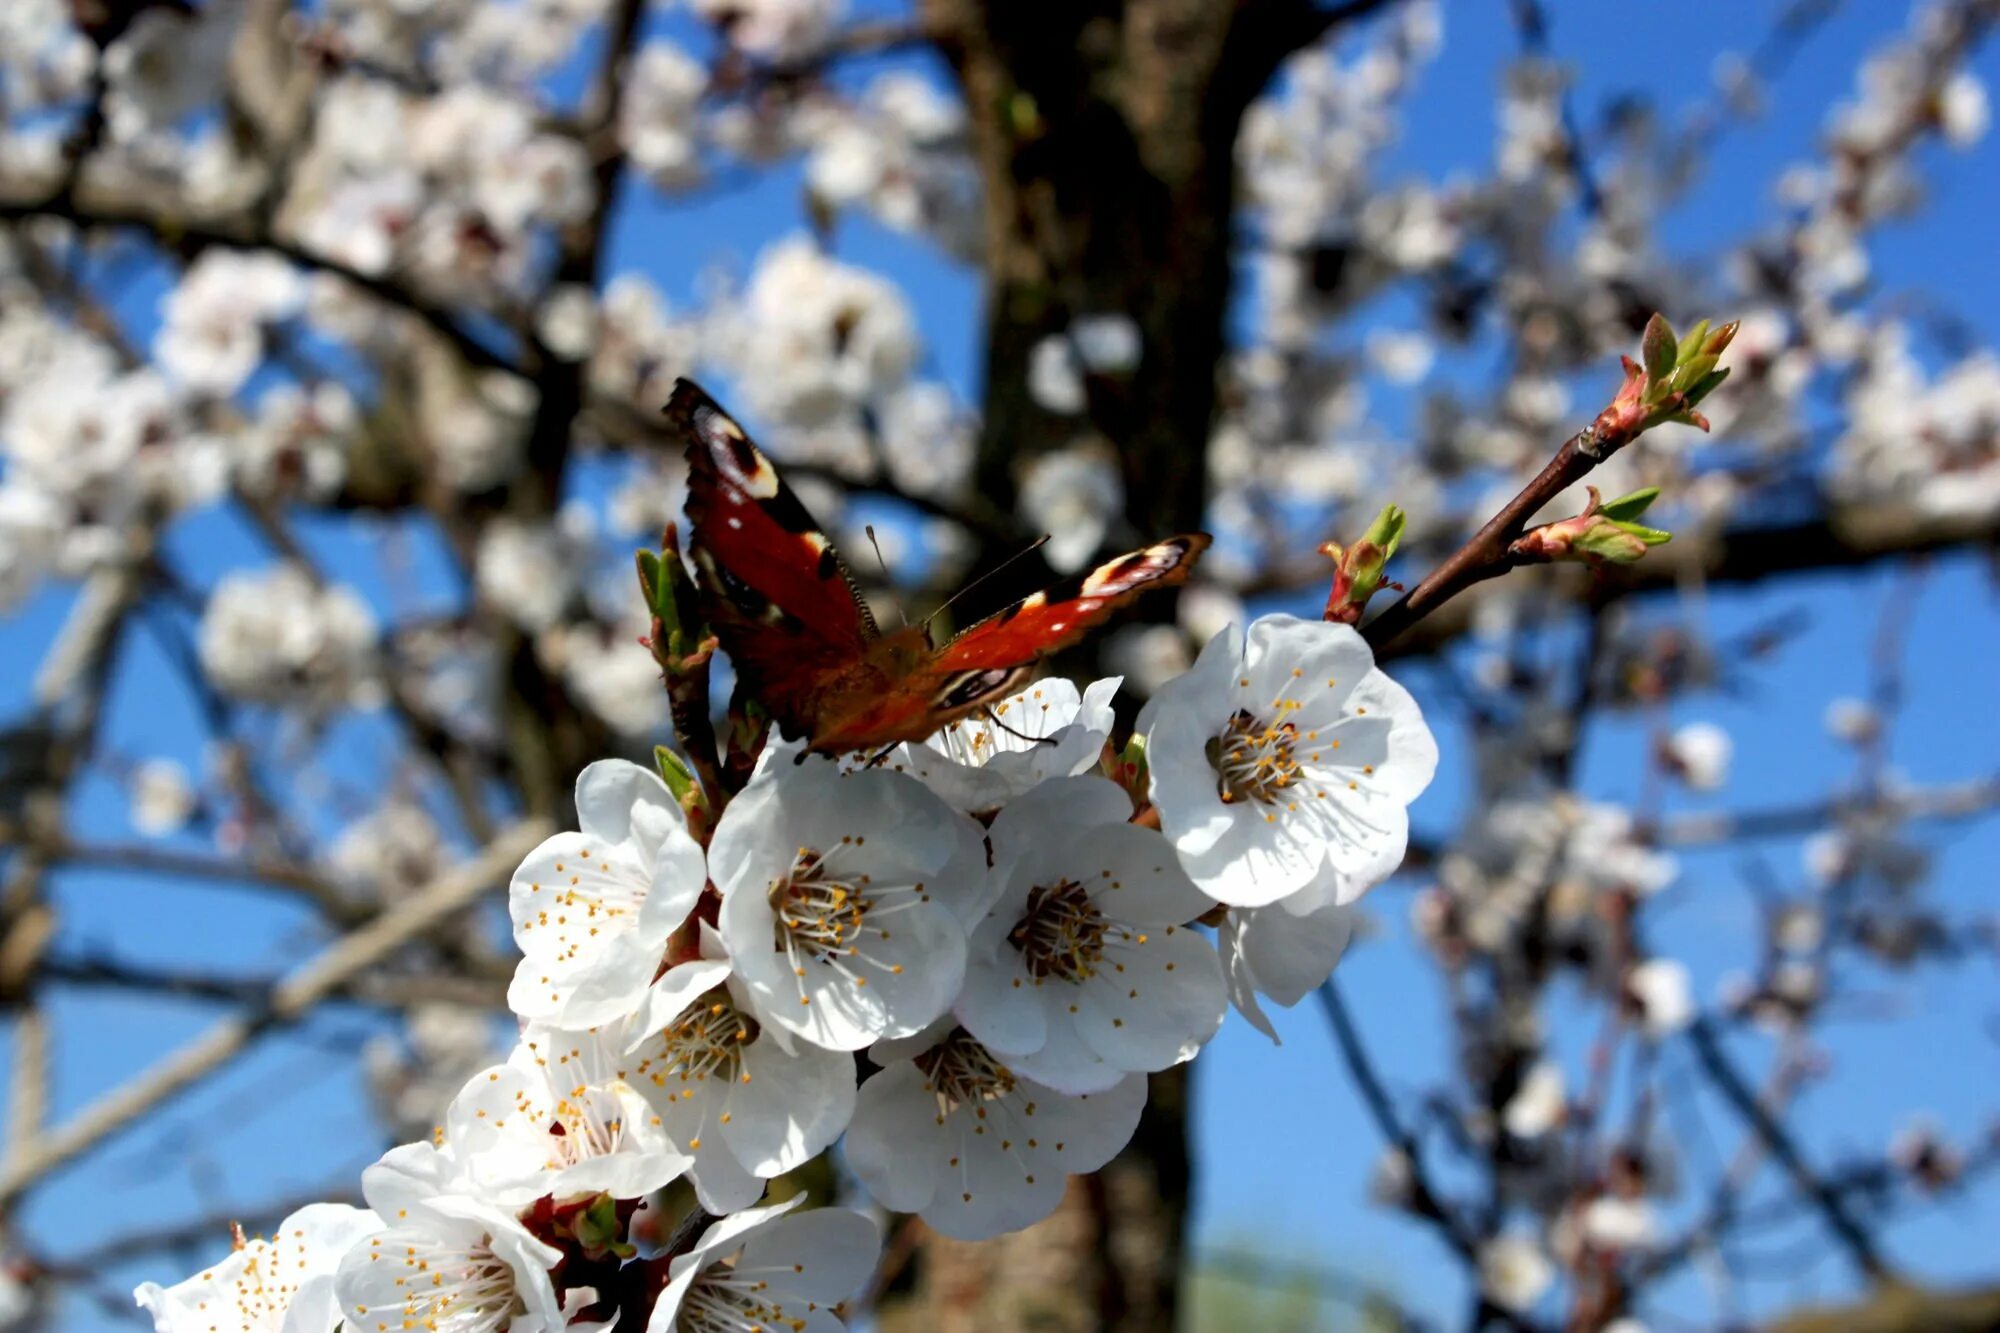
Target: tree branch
[1715, 1062]
[333, 968]
[192, 237]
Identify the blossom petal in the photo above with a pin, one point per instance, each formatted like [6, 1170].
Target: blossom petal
[897, 1143]
[788, 1107]
[1159, 998]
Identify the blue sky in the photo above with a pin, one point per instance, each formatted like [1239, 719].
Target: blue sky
[1283, 1150]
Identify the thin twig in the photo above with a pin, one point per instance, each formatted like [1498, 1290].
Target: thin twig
[1860, 1246]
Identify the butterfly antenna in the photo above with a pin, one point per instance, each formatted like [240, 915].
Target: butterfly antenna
[994, 717]
[870, 530]
[1027, 550]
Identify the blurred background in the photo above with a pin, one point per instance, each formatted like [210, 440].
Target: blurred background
[333, 337]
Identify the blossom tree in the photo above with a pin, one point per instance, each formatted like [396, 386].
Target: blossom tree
[345, 359]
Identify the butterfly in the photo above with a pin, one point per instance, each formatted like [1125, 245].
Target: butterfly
[804, 645]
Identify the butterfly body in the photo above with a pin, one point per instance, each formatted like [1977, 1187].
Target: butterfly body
[804, 644]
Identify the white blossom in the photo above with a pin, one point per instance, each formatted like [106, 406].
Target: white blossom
[1086, 969]
[982, 761]
[813, 338]
[1619, 1224]
[163, 799]
[948, 1131]
[1283, 951]
[1514, 1271]
[1286, 760]
[281, 1285]
[838, 895]
[561, 1118]
[446, 1255]
[211, 338]
[529, 572]
[1538, 1105]
[1074, 495]
[769, 1268]
[1663, 995]
[1701, 753]
[773, 29]
[743, 1102]
[274, 635]
[593, 909]
[658, 117]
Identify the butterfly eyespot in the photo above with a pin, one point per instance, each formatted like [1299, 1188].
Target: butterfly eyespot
[737, 458]
[969, 687]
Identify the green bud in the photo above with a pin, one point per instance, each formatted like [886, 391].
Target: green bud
[1658, 351]
[598, 1229]
[1704, 386]
[1693, 372]
[1691, 342]
[1718, 342]
[1611, 542]
[649, 578]
[1386, 530]
[1628, 507]
[674, 772]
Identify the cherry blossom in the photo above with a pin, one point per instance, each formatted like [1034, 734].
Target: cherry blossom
[769, 1267]
[560, 1119]
[1514, 1271]
[1661, 992]
[452, 1256]
[163, 799]
[592, 909]
[948, 1131]
[277, 636]
[1284, 761]
[1086, 969]
[735, 1095]
[837, 904]
[1046, 730]
[285, 1283]
[1283, 951]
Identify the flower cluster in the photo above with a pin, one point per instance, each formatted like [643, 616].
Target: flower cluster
[1008, 919]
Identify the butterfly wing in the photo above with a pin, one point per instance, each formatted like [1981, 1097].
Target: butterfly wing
[996, 656]
[778, 597]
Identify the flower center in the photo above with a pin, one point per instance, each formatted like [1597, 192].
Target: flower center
[1061, 934]
[452, 1289]
[816, 913]
[721, 1300]
[706, 1040]
[964, 1073]
[579, 1132]
[1253, 759]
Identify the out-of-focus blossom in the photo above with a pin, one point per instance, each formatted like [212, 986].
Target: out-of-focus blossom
[276, 636]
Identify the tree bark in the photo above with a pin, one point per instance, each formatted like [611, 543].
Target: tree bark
[1104, 133]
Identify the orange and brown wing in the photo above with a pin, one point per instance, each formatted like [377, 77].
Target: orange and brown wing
[995, 657]
[778, 597]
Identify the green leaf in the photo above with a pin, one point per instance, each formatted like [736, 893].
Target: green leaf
[1628, 507]
[649, 579]
[674, 772]
[1704, 386]
[1693, 372]
[1610, 542]
[1691, 342]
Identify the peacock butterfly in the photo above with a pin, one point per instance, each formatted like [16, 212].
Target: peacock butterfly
[804, 644]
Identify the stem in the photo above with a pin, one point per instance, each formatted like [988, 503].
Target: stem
[1486, 555]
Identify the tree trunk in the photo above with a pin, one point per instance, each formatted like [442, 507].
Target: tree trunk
[1104, 133]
